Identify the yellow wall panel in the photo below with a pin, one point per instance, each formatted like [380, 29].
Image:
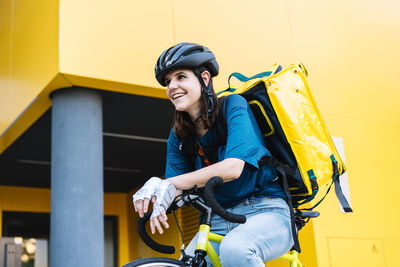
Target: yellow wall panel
[133, 235]
[117, 41]
[25, 199]
[391, 250]
[5, 61]
[33, 57]
[31, 113]
[245, 36]
[390, 79]
[341, 43]
[356, 252]
[29, 62]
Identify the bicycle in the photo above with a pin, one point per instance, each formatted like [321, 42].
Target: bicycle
[206, 203]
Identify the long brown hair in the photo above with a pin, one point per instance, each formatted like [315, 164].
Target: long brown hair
[185, 126]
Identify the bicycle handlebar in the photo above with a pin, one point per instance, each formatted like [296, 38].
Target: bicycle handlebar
[211, 186]
[141, 228]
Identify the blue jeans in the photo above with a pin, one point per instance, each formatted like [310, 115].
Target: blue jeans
[265, 236]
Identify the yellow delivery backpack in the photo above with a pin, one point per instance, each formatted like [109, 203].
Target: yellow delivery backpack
[294, 132]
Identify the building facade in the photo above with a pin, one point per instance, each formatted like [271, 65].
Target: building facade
[83, 122]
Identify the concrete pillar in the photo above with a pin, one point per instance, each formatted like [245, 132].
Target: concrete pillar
[77, 220]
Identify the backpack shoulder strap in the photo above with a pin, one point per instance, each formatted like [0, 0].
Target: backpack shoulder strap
[221, 123]
[211, 154]
[188, 147]
[190, 144]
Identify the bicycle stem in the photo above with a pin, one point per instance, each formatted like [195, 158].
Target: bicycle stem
[204, 209]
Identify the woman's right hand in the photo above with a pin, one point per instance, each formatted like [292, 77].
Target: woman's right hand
[142, 197]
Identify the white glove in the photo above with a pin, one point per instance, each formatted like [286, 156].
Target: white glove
[165, 194]
[148, 190]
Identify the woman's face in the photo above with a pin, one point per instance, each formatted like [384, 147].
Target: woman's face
[184, 91]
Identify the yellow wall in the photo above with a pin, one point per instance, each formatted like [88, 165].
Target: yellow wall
[28, 52]
[349, 47]
[29, 63]
[97, 36]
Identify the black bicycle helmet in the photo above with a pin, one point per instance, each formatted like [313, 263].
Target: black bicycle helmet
[185, 56]
[189, 56]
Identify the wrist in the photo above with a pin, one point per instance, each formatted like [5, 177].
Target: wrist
[172, 181]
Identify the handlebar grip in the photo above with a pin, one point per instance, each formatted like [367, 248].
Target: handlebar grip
[141, 228]
[211, 186]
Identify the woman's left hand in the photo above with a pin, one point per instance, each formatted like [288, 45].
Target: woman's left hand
[143, 196]
[157, 222]
[165, 195]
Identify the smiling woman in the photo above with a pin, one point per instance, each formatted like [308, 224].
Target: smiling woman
[184, 91]
[196, 153]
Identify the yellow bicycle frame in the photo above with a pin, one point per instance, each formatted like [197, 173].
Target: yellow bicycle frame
[203, 242]
[205, 236]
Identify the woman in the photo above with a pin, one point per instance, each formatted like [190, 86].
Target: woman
[250, 189]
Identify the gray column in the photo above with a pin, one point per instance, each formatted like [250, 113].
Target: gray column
[77, 220]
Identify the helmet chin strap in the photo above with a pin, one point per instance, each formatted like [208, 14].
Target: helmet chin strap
[206, 90]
